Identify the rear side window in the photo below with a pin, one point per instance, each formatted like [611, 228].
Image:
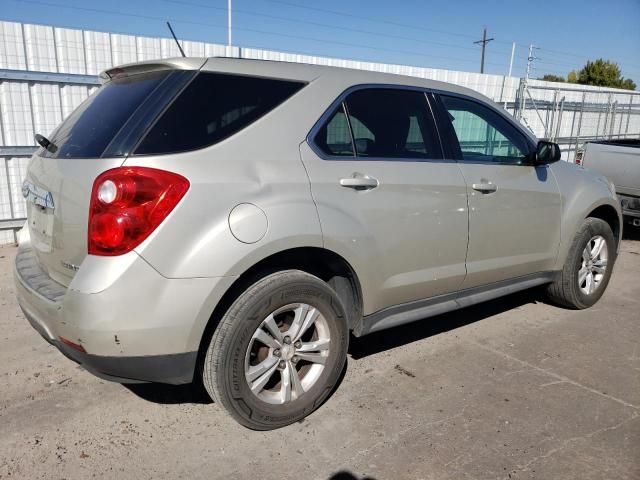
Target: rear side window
[384, 123]
[392, 123]
[93, 125]
[213, 107]
[334, 137]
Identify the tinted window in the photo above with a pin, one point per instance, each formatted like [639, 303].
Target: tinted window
[392, 123]
[484, 134]
[91, 127]
[334, 137]
[213, 107]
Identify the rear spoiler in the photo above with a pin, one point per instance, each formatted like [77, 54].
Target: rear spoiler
[130, 69]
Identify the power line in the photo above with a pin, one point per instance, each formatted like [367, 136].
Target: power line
[279, 34]
[323, 25]
[584, 57]
[570, 67]
[263, 32]
[416, 27]
[369, 19]
[560, 52]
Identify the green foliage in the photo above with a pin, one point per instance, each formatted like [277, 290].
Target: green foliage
[628, 84]
[572, 77]
[604, 73]
[550, 77]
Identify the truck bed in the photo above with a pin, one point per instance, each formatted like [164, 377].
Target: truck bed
[618, 160]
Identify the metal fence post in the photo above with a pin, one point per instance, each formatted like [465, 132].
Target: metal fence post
[613, 119]
[559, 121]
[606, 118]
[584, 99]
[626, 130]
[519, 103]
[11, 207]
[551, 116]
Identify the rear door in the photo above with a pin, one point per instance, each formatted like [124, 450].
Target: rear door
[387, 199]
[514, 207]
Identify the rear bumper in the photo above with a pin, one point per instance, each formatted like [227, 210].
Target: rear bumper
[134, 324]
[173, 369]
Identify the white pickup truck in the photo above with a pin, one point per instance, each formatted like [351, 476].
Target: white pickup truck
[619, 161]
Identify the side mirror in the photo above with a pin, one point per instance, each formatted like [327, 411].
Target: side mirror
[546, 152]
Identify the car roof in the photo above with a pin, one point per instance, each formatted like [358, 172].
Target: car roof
[309, 73]
[344, 77]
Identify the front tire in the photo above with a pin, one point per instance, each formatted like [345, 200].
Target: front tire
[588, 266]
[278, 351]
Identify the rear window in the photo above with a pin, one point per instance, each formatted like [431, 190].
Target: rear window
[213, 107]
[93, 125]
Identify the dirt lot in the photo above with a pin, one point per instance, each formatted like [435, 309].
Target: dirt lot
[514, 389]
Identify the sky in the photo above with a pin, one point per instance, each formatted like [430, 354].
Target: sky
[428, 33]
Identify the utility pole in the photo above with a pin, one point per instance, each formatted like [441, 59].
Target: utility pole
[530, 60]
[524, 83]
[229, 22]
[483, 42]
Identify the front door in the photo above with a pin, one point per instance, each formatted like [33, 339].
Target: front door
[387, 201]
[514, 207]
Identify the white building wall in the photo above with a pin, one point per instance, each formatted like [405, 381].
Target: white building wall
[70, 51]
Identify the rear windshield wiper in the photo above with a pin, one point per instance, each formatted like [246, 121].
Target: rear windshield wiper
[45, 143]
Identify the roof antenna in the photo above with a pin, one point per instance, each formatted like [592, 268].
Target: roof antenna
[174, 37]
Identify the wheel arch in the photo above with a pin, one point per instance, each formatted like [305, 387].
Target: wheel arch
[610, 215]
[321, 262]
[605, 209]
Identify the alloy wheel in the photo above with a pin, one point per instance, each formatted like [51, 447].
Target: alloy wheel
[593, 265]
[287, 353]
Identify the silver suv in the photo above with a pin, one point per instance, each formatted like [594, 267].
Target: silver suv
[234, 220]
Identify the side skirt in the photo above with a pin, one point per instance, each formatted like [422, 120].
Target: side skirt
[421, 309]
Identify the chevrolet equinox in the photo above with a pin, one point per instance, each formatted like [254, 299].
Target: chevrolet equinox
[236, 220]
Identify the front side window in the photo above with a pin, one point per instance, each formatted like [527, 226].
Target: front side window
[213, 107]
[483, 134]
[383, 123]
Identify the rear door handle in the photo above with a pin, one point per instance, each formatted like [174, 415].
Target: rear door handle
[359, 182]
[485, 187]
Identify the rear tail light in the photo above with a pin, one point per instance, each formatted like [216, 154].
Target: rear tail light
[128, 204]
[578, 158]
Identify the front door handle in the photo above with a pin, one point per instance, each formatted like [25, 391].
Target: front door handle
[485, 187]
[359, 182]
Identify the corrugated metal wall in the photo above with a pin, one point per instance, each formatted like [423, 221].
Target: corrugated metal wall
[45, 72]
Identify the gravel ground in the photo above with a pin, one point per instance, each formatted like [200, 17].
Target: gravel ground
[514, 388]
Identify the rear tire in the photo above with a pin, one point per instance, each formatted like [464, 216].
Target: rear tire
[278, 352]
[588, 266]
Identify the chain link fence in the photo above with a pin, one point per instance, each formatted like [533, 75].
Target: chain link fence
[573, 114]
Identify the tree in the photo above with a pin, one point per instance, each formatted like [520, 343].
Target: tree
[550, 77]
[628, 84]
[604, 73]
[572, 77]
